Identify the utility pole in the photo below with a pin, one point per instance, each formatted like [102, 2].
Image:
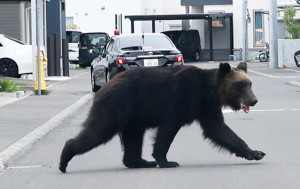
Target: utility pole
[38, 45]
[273, 34]
[245, 31]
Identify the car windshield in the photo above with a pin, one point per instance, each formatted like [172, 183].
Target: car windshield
[93, 40]
[146, 43]
[73, 36]
[15, 40]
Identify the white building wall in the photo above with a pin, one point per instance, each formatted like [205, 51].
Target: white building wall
[158, 7]
[99, 16]
[90, 17]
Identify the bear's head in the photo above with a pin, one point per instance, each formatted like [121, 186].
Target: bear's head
[235, 88]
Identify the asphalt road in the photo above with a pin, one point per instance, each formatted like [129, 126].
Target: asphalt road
[271, 126]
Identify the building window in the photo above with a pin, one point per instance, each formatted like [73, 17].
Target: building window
[258, 29]
[69, 20]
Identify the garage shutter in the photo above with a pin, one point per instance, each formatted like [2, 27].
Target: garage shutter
[10, 19]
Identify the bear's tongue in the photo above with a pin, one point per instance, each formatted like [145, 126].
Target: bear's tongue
[245, 108]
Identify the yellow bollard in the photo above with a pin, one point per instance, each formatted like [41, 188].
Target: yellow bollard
[43, 61]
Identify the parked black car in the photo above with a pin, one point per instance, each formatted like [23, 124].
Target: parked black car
[187, 42]
[124, 52]
[90, 45]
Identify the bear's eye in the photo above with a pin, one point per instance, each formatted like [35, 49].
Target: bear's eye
[240, 84]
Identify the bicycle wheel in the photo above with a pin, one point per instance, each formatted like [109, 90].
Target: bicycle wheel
[263, 57]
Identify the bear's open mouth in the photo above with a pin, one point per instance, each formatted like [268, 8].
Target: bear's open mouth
[245, 108]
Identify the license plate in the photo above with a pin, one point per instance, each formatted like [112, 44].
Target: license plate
[150, 62]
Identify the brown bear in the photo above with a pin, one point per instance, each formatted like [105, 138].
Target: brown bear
[166, 99]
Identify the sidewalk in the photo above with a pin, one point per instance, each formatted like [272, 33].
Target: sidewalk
[36, 115]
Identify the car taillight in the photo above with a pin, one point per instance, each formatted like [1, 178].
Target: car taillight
[179, 58]
[121, 61]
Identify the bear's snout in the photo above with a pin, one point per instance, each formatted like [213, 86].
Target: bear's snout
[253, 101]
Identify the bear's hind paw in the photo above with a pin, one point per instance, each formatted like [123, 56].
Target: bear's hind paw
[170, 164]
[140, 164]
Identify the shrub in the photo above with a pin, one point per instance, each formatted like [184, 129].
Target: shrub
[8, 86]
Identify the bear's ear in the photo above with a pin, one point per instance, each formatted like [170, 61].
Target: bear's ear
[224, 68]
[242, 66]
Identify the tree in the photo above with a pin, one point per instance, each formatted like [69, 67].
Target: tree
[291, 24]
[72, 27]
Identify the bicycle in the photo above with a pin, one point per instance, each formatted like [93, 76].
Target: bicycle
[264, 55]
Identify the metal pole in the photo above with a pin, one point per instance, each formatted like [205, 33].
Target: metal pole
[273, 34]
[38, 47]
[245, 28]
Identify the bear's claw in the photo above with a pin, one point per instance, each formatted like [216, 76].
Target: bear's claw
[62, 167]
[253, 155]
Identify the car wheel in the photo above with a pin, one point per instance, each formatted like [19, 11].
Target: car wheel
[197, 56]
[9, 68]
[95, 87]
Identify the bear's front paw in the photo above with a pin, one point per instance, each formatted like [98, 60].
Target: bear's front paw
[62, 167]
[168, 164]
[254, 155]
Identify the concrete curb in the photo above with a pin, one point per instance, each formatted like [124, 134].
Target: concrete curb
[17, 149]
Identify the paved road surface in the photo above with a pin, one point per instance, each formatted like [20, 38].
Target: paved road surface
[272, 126]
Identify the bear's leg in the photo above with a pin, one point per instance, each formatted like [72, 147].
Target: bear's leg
[164, 138]
[90, 137]
[221, 135]
[132, 141]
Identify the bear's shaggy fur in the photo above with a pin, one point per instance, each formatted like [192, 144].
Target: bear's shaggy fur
[166, 98]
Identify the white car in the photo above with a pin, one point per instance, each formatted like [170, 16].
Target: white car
[73, 39]
[15, 57]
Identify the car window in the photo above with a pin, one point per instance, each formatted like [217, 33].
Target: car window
[137, 42]
[93, 40]
[73, 36]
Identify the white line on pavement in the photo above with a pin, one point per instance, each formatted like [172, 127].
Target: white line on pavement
[227, 111]
[272, 76]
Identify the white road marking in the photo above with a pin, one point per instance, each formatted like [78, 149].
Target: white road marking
[25, 167]
[227, 111]
[272, 76]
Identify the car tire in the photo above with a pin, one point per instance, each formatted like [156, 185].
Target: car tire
[197, 56]
[95, 87]
[9, 68]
